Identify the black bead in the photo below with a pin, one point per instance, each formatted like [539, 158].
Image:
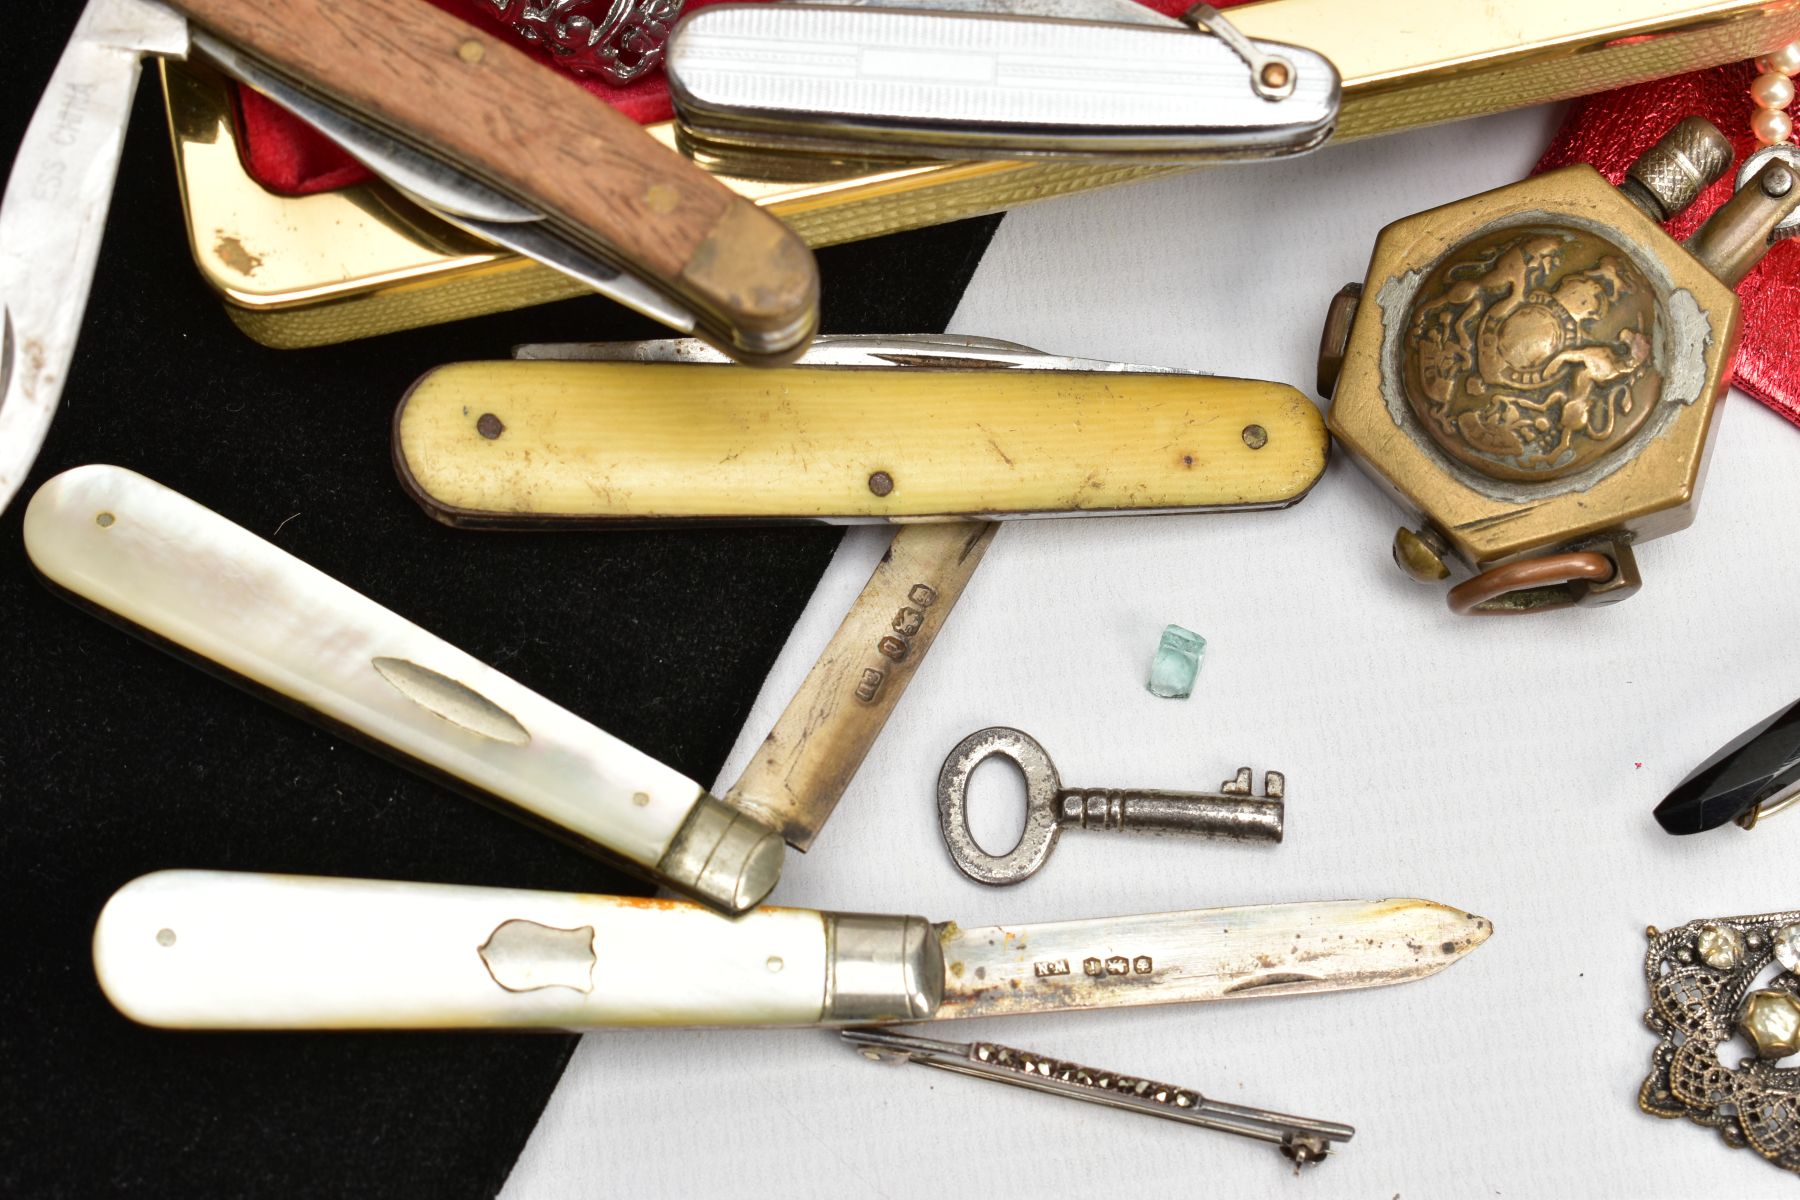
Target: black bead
[1760, 763]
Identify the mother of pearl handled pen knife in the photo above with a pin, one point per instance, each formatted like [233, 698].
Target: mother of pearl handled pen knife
[881, 80]
[190, 580]
[469, 126]
[861, 429]
[223, 950]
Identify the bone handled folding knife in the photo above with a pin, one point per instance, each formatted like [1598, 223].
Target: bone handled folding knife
[458, 120]
[861, 429]
[1086, 80]
[222, 950]
[193, 582]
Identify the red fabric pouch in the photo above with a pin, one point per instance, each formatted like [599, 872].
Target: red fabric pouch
[1610, 130]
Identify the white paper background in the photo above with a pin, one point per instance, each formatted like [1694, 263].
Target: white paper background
[1506, 766]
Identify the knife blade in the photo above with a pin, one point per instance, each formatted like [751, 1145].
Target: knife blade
[190, 581]
[54, 212]
[223, 950]
[860, 430]
[459, 120]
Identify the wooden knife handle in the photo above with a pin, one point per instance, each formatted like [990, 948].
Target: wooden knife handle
[490, 108]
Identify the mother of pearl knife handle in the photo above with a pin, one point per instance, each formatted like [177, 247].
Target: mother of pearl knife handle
[186, 577]
[453, 90]
[226, 950]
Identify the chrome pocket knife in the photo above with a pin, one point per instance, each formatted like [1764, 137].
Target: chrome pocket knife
[224, 950]
[961, 79]
[467, 125]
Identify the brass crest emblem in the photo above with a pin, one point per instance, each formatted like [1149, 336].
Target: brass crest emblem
[1528, 353]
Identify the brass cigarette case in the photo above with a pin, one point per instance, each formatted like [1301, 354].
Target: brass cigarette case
[310, 270]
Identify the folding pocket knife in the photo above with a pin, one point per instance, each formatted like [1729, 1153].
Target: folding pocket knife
[962, 79]
[190, 581]
[862, 429]
[454, 118]
[227, 950]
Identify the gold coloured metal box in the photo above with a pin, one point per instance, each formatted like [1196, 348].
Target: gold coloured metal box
[359, 261]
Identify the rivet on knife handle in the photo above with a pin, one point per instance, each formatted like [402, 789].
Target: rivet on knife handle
[183, 575]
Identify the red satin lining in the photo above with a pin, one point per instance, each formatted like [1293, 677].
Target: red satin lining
[1610, 130]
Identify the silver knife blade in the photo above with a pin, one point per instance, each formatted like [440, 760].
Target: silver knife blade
[1209, 954]
[944, 350]
[54, 212]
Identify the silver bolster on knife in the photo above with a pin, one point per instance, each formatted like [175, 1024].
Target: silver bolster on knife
[723, 856]
[881, 968]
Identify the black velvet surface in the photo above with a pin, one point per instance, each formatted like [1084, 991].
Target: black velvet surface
[116, 759]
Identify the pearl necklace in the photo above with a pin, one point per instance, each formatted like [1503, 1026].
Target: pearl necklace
[1773, 91]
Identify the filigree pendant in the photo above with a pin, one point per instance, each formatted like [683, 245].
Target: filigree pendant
[1703, 993]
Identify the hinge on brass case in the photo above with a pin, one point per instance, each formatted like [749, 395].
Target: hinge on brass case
[1534, 372]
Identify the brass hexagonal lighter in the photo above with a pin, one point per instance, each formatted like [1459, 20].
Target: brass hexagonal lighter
[1533, 372]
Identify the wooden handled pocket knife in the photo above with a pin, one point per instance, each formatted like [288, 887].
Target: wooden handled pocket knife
[227, 950]
[456, 119]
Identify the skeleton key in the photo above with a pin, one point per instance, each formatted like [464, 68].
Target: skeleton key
[1231, 812]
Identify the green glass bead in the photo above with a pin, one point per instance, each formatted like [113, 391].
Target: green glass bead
[1176, 664]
